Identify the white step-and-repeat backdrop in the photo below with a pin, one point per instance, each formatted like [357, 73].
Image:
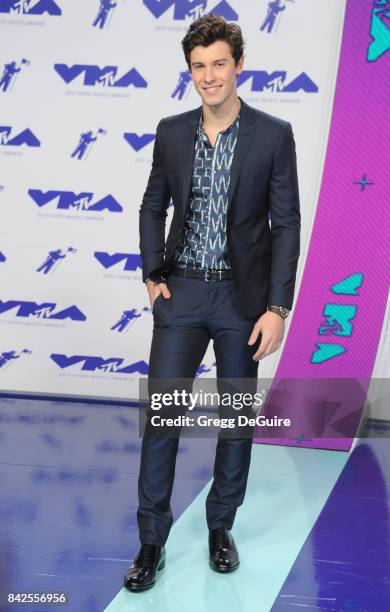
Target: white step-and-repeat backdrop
[82, 88]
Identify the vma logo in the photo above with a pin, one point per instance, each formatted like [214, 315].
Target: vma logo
[92, 364]
[338, 319]
[130, 261]
[30, 7]
[9, 357]
[66, 200]
[41, 311]
[24, 138]
[276, 81]
[379, 30]
[93, 76]
[192, 9]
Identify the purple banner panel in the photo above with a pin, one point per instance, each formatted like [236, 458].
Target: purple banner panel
[339, 312]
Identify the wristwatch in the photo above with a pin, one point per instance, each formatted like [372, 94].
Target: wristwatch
[280, 310]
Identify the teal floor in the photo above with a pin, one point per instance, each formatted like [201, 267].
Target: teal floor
[287, 489]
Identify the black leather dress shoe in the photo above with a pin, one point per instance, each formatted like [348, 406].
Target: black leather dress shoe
[223, 551]
[141, 575]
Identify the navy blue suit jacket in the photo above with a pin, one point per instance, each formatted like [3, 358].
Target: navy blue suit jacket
[263, 181]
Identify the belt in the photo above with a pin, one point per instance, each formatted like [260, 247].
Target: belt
[207, 275]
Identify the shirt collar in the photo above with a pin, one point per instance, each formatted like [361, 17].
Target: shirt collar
[230, 127]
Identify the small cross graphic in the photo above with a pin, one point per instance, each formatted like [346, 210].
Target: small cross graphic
[364, 182]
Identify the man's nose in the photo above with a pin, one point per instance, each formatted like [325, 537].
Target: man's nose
[209, 74]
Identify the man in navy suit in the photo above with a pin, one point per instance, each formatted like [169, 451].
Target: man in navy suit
[222, 274]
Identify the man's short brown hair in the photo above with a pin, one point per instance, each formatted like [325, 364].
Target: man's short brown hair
[210, 28]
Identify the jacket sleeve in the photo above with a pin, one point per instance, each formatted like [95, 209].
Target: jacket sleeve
[285, 221]
[153, 212]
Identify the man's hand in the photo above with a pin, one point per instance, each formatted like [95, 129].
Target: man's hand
[154, 290]
[271, 326]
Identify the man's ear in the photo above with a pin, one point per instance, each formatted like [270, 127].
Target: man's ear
[240, 65]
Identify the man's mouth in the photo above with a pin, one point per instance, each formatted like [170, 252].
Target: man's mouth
[212, 89]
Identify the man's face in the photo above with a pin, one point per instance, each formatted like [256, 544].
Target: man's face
[214, 72]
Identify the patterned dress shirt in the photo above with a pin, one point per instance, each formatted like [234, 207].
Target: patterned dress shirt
[203, 243]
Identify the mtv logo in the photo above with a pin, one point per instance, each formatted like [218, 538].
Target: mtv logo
[92, 363]
[276, 81]
[24, 138]
[194, 9]
[42, 311]
[79, 201]
[93, 75]
[30, 7]
[132, 260]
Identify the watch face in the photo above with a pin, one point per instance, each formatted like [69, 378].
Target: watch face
[284, 312]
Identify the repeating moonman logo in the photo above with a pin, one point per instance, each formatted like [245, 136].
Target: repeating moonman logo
[103, 17]
[190, 9]
[183, 85]
[26, 137]
[30, 7]
[69, 200]
[45, 310]
[90, 363]
[2, 257]
[94, 76]
[275, 11]
[8, 76]
[54, 259]
[85, 143]
[379, 30]
[128, 318]
[129, 261]
[9, 357]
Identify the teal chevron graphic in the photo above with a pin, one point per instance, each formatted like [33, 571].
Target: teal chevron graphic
[326, 352]
[380, 30]
[349, 285]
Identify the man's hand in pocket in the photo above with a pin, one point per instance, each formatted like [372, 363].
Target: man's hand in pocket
[154, 290]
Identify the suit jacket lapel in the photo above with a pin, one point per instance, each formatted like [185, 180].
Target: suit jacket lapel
[187, 155]
[244, 137]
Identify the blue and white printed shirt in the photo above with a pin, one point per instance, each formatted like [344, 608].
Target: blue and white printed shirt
[203, 244]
